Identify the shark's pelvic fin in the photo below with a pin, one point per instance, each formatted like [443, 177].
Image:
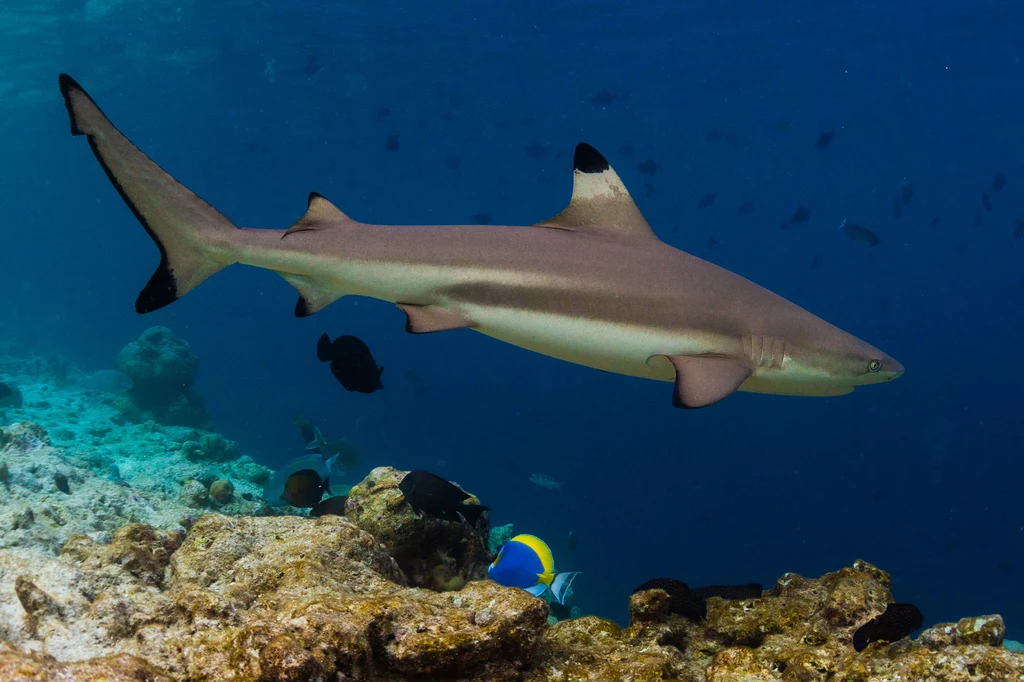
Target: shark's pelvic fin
[423, 319]
[195, 240]
[312, 298]
[599, 199]
[319, 214]
[705, 379]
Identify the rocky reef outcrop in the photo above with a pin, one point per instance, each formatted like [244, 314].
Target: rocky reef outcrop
[290, 598]
[162, 368]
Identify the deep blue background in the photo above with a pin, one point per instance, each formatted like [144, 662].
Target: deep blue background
[922, 477]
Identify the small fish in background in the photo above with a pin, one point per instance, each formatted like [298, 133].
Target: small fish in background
[312, 65]
[382, 114]
[906, 194]
[712, 242]
[860, 234]
[339, 449]
[800, 215]
[999, 181]
[1018, 231]
[720, 136]
[526, 562]
[103, 381]
[706, 200]
[392, 144]
[978, 216]
[898, 621]
[536, 151]
[61, 481]
[626, 150]
[304, 488]
[306, 429]
[824, 139]
[648, 167]
[334, 506]
[746, 207]
[986, 203]
[603, 98]
[432, 495]
[352, 363]
[545, 481]
[10, 396]
[815, 262]
[692, 603]
[573, 539]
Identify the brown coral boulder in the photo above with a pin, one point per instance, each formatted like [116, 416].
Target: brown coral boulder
[17, 665]
[433, 553]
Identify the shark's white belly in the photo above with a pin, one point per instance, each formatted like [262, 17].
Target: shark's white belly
[592, 343]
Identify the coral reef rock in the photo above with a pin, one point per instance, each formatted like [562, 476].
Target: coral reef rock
[433, 553]
[162, 368]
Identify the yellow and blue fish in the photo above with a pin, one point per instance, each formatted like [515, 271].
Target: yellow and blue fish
[525, 561]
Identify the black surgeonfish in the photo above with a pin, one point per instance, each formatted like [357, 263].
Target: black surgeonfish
[304, 488]
[352, 363]
[692, 603]
[331, 505]
[432, 495]
[898, 621]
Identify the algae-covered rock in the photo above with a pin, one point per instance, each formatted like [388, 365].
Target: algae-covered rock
[222, 490]
[433, 553]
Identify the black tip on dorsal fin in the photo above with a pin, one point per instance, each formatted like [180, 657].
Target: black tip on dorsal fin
[67, 84]
[314, 196]
[589, 160]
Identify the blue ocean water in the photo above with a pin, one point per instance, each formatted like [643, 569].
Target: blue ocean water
[253, 105]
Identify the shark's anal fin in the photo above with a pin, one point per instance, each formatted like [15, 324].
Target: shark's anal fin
[423, 319]
[319, 214]
[312, 298]
[705, 379]
[599, 199]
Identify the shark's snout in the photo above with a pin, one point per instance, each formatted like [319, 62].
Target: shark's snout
[891, 369]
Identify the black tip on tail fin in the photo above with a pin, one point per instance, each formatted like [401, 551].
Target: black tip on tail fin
[67, 84]
[161, 289]
[302, 306]
[589, 160]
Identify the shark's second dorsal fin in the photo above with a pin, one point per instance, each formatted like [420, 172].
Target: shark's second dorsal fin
[319, 213]
[599, 199]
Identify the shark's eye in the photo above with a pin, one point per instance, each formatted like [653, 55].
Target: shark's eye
[874, 366]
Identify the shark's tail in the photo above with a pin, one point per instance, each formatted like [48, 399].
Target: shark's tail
[194, 239]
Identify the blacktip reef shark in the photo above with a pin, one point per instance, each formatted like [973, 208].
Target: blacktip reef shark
[592, 285]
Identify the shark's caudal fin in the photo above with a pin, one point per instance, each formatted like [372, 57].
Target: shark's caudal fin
[193, 237]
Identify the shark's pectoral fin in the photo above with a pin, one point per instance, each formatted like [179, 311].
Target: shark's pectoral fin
[312, 297]
[319, 214]
[705, 379]
[599, 199]
[423, 319]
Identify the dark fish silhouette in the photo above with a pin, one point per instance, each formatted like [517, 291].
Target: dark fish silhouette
[432, 495]
[306, 429]
[907, 194]
[331, 505]
[648, 167]
[392, 144]
[746, 207]
[824, 139]
[1018, 232]
[985, 201]
[61, 481]
[898, 621]
[604, 98]
[897, 207]
[382, 114]
[706, 200]
[304, 488]
[312, 65]
[859, 233]
[352, 364]
[6, 392]
[800, 215]
[998, 182]
[536, 150]
[692, 603]
[977, 218]
[572, 540]
[712, 242]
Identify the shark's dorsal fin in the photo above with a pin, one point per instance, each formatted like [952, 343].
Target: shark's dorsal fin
[599, 199]
[319, 214]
